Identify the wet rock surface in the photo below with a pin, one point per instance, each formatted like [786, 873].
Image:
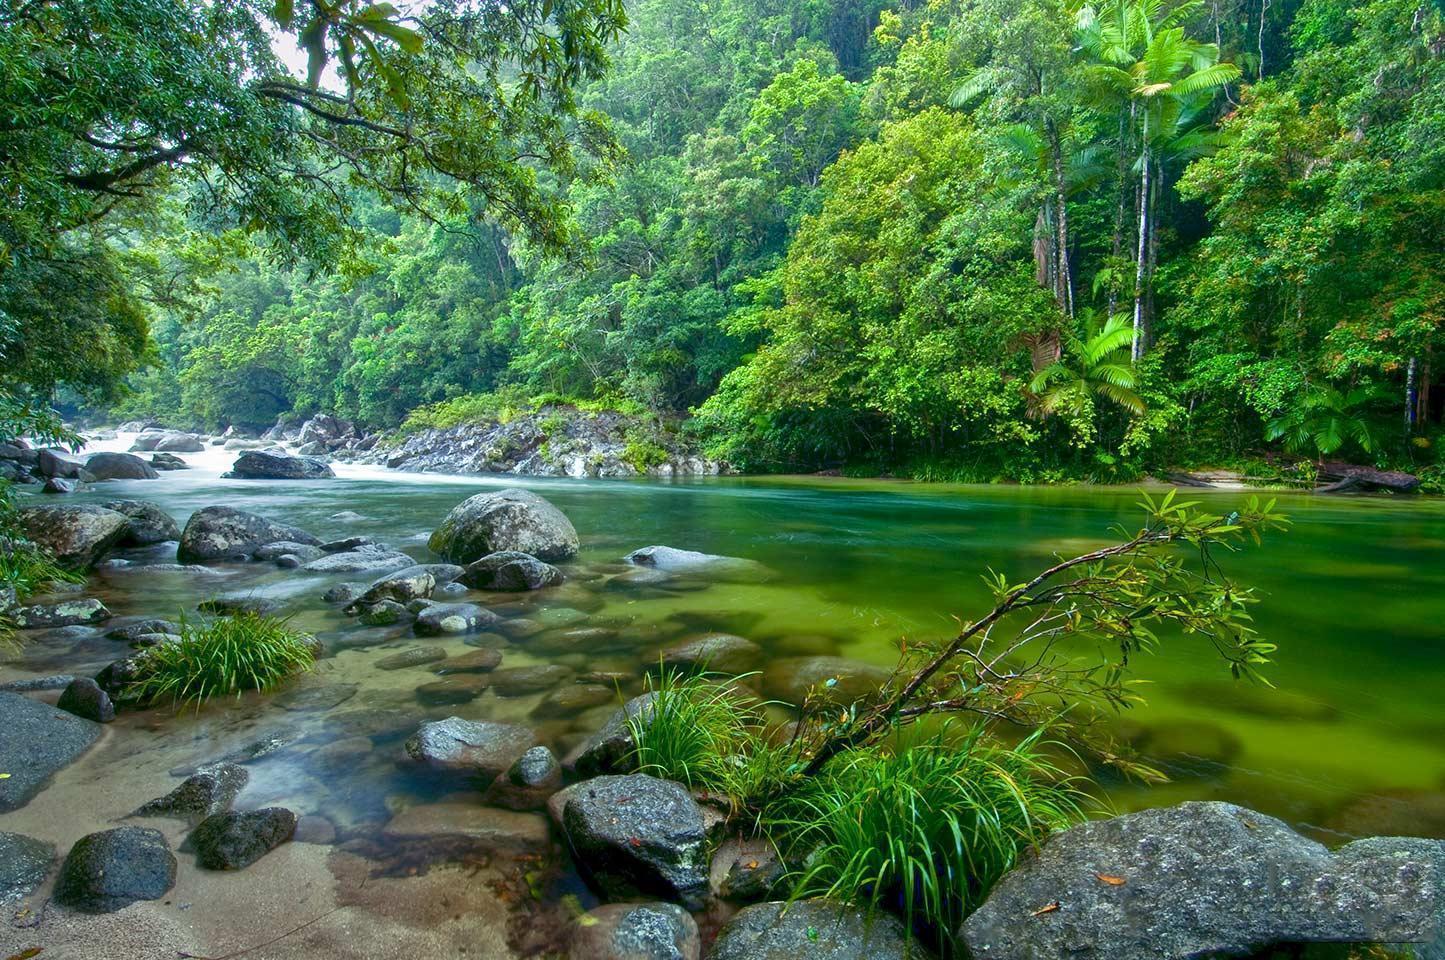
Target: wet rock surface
[235, 840]
[1205, 879]
[815, 929]
[77, 536]
[84, 698]
[112, 869]
[148, 523]
[24, 864]
[38, 740]
[511, 570]
[629, 931]
[528, 783]
[607, 750]
[214, 534]
[413, 657]
[119, 466]
[470, 746]
[260, 465]
[66, 613]
[208, 791]
[505, 520]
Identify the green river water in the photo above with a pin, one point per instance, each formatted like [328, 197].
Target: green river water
[1354, 595]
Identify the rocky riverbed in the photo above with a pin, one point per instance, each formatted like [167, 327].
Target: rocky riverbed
[450, 779]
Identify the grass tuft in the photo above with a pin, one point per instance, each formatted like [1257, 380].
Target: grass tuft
[233, 654]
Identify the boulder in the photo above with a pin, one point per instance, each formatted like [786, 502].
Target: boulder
[454, 690]
[24, 864]
[214, 534]
[313, 449]
[112, 869]
[454, 618]
[148, 523]
[84, 698]
[414, 657]
[673, 560]
[260, 465]
[1205, 879]
[61, 486]
[470, 746]
[179, 443]
[242, 443]
[146, 440]
[210, 790]
[510, 570]
[54, 463]
[713, 652]
[324, 428]
[234, 841]
[837, 679]
[609, 749]
[77, 536]
[119, 466]
[638, 835]
[287, 548]
[168, 461]
[67, 613]
[363, 560]
[382, 613]
[510, 519]
[629, 931]
[410, 583]
[520, 681]
[130, 632]
[815, 929]
[527, 783]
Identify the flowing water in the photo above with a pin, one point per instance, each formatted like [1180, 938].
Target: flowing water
[1354, 595]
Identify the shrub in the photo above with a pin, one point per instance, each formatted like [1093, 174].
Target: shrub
[29, 569]
[247, 651]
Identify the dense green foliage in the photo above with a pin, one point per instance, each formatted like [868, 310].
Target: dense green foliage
[844, 234]
[226, 657]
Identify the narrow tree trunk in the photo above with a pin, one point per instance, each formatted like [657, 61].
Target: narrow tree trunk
[1142, 254]
[1061, 220]
[1412, 398]
[1122, 196]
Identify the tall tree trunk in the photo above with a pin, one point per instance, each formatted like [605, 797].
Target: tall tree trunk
[1412, 398]
[1142, 254]
[1121, 179]
[1065, 292]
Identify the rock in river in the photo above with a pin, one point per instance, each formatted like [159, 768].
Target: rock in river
[215, 534]
[510, 519]
[478, 746]
[607, 750]
[260, 465]
[38, 740]
[66, 613]
[627, 931]
[77, 536]
[815, 929]
[24, 864]
[791, 678]
[148, 523]
[527, 783]
[210, 790]
[84, 698]
[638, 835]
[443, 618]
[112, 869]
[511, 570]
[1205, 879]
[712, 565]
[234, 841]
[367, 559]
[119, 466]
[715, 652]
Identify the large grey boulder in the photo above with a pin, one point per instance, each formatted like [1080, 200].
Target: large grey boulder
[148, 523]
[260, 465]
[510, 570]
[66, 613]
[234, 841]
[415, 582]
[176, 442]
[610, 748]
[54, 463]
[815, 929]
[470, 746]
[77, 536]
[112, 869]
[638, 835]
[119, 466]
[369, 558]
[510, 519]
[38, 740]
[635, 931]
[1205, 879]
[693, 563]
[24, 864]
[215, 534]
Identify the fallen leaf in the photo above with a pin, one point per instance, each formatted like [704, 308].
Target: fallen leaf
[32, 952]
[750, 865]
[6, 776]
[1046, 908]
[1111, 880]
[634, 841]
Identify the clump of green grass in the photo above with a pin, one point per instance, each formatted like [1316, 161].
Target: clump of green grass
[233, 654]
[30, 570]
[926, 829]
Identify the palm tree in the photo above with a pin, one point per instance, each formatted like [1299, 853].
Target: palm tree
[1095, 364]
[1144, 65]
[1326, 419]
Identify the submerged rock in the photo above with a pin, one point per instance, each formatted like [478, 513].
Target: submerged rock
[112, 869]
[411, 657]
[260, 465]
[713, 652]
[368, 559]
[130, 632]
[836, 679]
[488, 828]
[77, 536]
[415, 582]
[1205, 879]
[454, 690]
[673, 560]
[67, 613]
[527, 783]
[608, 750]
[84, 698]
[627, 931]
[234, 841]
[815, 929]
[638, 835]
[38, 740]
[454, 618]
[119, 466]
[510, 570]
[504, 520]
[148, 523]
[24, 864]
[211, 789]
[215, 534]
[472, 746]
[520, 681]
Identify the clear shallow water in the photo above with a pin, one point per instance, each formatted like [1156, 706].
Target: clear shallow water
[1353, 594]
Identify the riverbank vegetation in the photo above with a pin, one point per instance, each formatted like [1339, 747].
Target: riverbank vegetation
[224, 657]
[844, 235]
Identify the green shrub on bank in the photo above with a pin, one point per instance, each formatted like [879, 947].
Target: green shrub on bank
[504, 406]
[229, 656]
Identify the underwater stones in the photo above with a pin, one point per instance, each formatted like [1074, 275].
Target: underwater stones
[712, 652]
[837, 679]
[816, 929]
[520, 681]
[234, 841]
[1392, 813]
[746, 871]
[239, 604]
[148, 523]
[470, 746]
[261, 465]
[569, 699]
[510, 519]
[510, 570]
[528, 783]
[454, 618]
[484, 826]
[67, 613]
[691, 562]
[638, 835]
[343, 592]
[210, 790]
[119, 466]
[216, 534]
[1184, 748]
[312, 697]
[361, 560]
[84, 698]
[453, 690]
[477, 661]
[607, 750]
[112, 869]
[383, 613]
[38, 740]
[411, 657]
[24, 864]
[304, 552]
[1205, 879]
[341, 756]
[626, 931]
[77, 536]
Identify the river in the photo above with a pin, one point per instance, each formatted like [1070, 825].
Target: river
[1354, 595]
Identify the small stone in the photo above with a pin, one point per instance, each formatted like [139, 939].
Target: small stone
[478, 661]
[381, 614]
[234, 841]
[630, 931]
[520, 681]
[454, 618]
[346, 543]
[208, 791]
[479, 746]
[84, 698]
[112, 869]
[527, 783]
[414, 657]
[449, 691]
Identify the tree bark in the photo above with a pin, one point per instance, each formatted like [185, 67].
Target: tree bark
[1142, 254]
[1065, 290]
